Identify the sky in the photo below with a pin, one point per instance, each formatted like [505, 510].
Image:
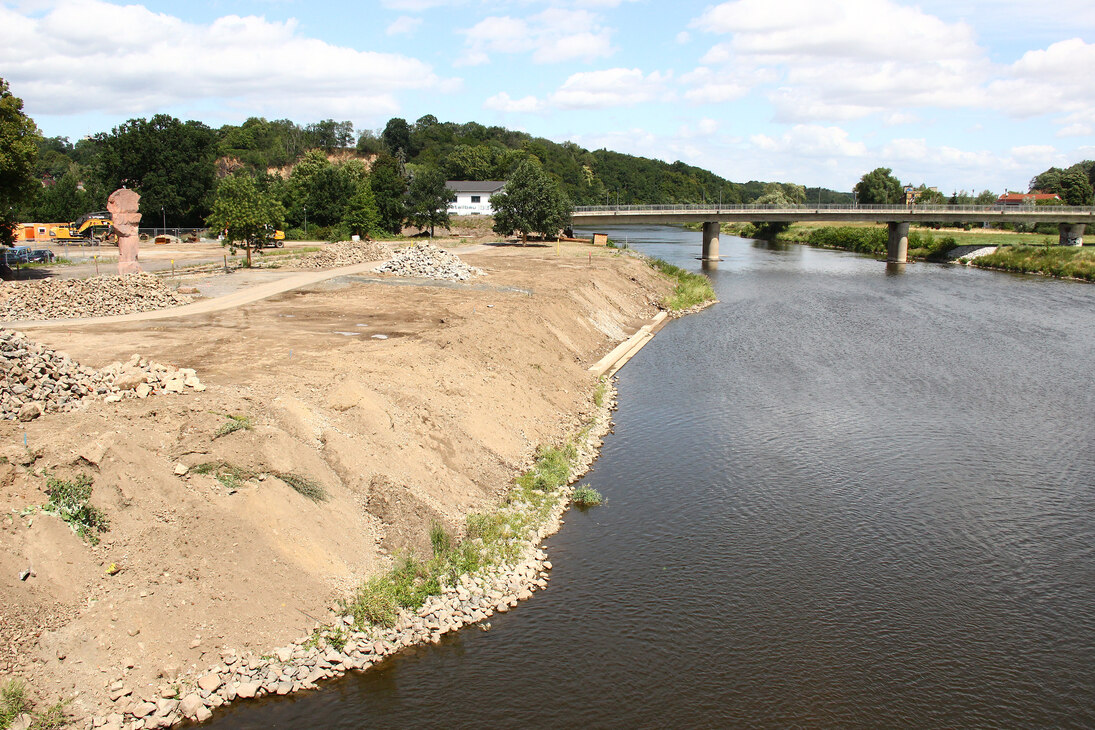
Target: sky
[955, 94]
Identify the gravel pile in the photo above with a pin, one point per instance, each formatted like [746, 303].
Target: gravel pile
[427, 261]
[35, 379]
[99, 297]
[346, 253]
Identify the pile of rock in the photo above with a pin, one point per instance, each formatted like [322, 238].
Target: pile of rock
[98, 297]
[346, 253]
[35, 379]
[427, 261]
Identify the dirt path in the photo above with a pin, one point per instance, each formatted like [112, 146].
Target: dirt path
[407, 402]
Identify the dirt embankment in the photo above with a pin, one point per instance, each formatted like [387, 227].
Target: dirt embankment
[405, 402]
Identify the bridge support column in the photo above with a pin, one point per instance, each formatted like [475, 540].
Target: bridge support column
[710, 241]
[1072, 234]
[897, 250]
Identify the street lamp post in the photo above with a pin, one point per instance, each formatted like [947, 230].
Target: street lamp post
[306, 221]
[164, 214]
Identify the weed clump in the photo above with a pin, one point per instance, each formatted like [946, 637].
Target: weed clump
[586, 496]
[14, 702]
[236, 422]
[69, 501]
[552, 468]
[303, 486]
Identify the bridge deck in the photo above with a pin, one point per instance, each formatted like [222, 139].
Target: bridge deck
[623, 214]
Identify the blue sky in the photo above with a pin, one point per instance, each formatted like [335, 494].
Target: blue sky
[959, 94]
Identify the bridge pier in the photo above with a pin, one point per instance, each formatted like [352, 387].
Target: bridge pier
[1072, 234]
[897, 249]
[710, 242]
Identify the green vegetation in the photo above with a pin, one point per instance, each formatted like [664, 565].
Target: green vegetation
[692, 289]
[531, 202]
[490, 539]
[14, 702]
[586, 496]
[1075, 184]
[69, 501]
[245, 213]
[230, 476]
[600, 392]
[879, 187]
[19, 142]
[236, 422]
[1062, 261]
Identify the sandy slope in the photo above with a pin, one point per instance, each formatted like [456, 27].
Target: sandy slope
[430, 422]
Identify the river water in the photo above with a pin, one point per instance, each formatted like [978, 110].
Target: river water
[840, 498]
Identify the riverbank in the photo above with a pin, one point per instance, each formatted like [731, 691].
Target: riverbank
[339, 424]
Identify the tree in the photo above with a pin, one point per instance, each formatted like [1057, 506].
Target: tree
[169, 162]
[428, 201]
[397, 136]
[330, 134]
[390, 189]
[1075, 189]
[362, 216]
[879, 187]
[18, 155]
[531, 202]
[244, 213]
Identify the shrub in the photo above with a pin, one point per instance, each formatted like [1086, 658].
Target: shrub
[303, 486]
[692, 289]
[69, 501]
[236, 422]
[586, 496]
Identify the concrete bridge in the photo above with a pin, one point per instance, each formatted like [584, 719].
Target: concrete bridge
[1070, 220]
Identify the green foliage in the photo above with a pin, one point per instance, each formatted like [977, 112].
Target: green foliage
[169, 162]
[236, 422]
[244, 212]
[551, 469]
[362, 217]
[531, 202]
[69, 501]
[879, 187]
[1071, 262]
[691, 290]
[428, 200]
[397, 136]
[599, 393]
[586, 496]
[389, 186]
[230, 476]
[850, 238]
[13, 702]
[18, 155]
[440, 539]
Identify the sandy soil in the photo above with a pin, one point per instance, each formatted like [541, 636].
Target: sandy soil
[408, 402]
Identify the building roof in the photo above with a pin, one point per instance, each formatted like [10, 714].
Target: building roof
[1020, 197]
[473, 186]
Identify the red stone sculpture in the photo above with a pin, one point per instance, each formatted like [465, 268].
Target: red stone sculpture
[122, 205]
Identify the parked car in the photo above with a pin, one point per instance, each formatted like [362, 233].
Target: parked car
[27, 255]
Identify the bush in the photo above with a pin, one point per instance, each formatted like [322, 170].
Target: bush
[692, 289]
[69, 501]
[586, 496]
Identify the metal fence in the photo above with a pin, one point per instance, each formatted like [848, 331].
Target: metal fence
[1049, 210]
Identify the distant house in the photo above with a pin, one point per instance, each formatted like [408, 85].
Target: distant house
[473, 198]
[1013, 199]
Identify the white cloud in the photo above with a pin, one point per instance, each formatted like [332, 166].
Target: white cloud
[614, 87]
[845, 59]
[554, 35]
[1056, 78]
[684, 37]
[503, 103]
[811, 140]
[403, 25]
[243, 62]
[709, 87]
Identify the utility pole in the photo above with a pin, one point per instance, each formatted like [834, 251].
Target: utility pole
[306, 221]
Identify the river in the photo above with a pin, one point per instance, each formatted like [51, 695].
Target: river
[840, 498]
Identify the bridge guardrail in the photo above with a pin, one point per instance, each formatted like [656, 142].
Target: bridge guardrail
[1049, 210]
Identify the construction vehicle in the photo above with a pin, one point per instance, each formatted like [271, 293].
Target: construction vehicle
[92, 227]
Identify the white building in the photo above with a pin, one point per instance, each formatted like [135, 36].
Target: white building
[473, 198]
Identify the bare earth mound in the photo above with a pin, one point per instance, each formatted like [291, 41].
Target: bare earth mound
[399, 404]
[73, 298]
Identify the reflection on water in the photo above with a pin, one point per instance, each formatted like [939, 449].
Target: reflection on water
[838, 498]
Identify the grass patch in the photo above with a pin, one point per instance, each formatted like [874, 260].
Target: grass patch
[599, 393]
[14, 702]
[692, 289]
[235, 422]
[1071, 262]
[490, 539]
[229, 475]
[303, 486]
[586, 496]
[69, 501]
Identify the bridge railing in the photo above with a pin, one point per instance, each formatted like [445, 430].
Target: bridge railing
[1049, 210]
